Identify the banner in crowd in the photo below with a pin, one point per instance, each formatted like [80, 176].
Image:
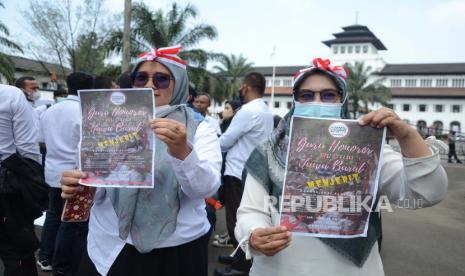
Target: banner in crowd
[331, 176]
[117, 144]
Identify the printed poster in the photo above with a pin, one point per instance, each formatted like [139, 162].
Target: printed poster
[331, 177]
[117, 144]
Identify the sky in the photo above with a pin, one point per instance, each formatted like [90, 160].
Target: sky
[414, 31]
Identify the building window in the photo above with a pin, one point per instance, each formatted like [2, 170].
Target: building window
[277, 82]
[268, 82]
[289, 105]
[391, 106]
[365, 49]
[426, 83]
[277, 104]
[438, 108]
[422, 127]
[458, 83]
[357, 49]
[410, 83]
[343, 49]
[456, 108]
[335, 49]
[350, 49]
[422, 107]
[455, 126]
[396, 83]
[442, 82]
[438, 127]
[287, 83]
[406, 107]
[45, 85]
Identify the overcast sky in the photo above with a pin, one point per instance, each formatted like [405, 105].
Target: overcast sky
[415, 31]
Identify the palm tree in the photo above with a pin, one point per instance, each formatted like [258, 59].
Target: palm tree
[228, 74]
[362, 90]
[7, 66]
[159, 29]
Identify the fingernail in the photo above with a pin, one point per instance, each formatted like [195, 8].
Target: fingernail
[283, 228]
[361, 121]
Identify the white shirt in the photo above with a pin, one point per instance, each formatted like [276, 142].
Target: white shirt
[60, 126]
[213, 123]
[400, 178]
[17, 129]
[248, 128]
[198, 176]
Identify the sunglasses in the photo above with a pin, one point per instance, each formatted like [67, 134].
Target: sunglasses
[306, 95]
[160, 80]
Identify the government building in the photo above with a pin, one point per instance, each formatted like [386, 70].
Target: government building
[429, 96]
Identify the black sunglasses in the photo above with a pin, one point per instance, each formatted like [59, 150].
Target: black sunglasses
[306, 95]
[160, 80]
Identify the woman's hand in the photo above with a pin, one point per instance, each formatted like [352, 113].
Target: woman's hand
[174, 134]
[70, 183]
[270, 240]
[411, 143]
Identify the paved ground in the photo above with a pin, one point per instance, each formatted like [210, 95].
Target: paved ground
[427, 242]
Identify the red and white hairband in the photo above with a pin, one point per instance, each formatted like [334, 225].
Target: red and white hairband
[323, 65]
[168, 54]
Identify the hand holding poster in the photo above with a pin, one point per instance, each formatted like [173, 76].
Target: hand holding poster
[331, 173]
[117, 145]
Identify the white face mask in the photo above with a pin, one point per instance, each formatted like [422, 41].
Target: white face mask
[35, 96]
[318, 109]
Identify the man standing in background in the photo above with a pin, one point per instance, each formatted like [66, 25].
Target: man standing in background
[249, 127]
[202, 102]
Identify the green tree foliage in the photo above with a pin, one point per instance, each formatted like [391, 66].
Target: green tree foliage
[7, 66]
[161, 29]
[361, 90]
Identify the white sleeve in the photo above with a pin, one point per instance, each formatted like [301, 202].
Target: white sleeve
[25, 129]
[199, 174]
[254, 212]
[412, 179]
[240, 125]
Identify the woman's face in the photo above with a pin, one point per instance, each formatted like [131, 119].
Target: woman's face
[318, 88]
[228, 111]
[162, 95]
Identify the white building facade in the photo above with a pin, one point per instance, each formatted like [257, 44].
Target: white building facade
[430, 97]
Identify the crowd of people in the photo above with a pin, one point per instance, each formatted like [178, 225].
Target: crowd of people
[201, 164]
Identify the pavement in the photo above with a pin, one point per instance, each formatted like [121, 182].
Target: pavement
[423, 242]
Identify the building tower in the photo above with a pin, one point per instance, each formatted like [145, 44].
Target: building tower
[356, 43]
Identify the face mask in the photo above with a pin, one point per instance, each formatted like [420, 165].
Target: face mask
[241, 97]
[35, 96]
[319, 110]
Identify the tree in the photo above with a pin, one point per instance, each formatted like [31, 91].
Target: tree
[159, 29]
[68, 33]
[362, 90]
[7, 66]
[228, 74]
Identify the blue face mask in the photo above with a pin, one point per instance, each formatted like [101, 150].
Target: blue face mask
[319, 110]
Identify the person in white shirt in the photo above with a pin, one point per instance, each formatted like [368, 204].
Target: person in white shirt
[202, 102]
[17, 135]
[249, 127]
[60, 126]
[162, 230]
[414, 174]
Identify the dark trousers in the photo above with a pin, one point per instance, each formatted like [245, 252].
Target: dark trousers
[51, 225]
[452, 153]
[232, 190]
[70, 246]
[189, 259]
[18, 241]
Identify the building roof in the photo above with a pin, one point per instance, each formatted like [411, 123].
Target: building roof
[28, 65]
[424, 69]
[355, 34]
[280, 70]
[428, 92]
